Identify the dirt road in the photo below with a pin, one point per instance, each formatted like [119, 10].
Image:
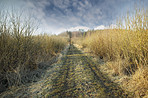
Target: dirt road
[74, 76]
[79, 77]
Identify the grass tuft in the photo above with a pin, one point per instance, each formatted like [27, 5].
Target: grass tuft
[125, 47]
[20, 50]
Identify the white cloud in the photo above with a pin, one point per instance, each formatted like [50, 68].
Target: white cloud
[78, 28]
[60, 15]
[63, 4]
[101, 27]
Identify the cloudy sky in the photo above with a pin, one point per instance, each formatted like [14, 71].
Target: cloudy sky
[55, 16]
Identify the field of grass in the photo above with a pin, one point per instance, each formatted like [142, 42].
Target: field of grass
[125, 49]
[20, 50]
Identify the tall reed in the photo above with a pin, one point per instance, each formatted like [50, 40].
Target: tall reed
[129, 41]
[125, 49]
[20, 50]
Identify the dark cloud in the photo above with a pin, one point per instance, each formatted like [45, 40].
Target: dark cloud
[56, 15]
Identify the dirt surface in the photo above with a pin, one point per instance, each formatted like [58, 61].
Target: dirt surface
[74, 75]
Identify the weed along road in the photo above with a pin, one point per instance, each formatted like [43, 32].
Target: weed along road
[74, 75]
[80, 78]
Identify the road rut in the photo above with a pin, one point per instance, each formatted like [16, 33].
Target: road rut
[75, 75]
[79, 77]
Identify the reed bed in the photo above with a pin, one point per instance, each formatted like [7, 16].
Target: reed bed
[20, 50]
[126, 46]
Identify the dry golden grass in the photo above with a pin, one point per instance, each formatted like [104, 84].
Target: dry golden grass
[20, 50]
[125, 48]
[139, 83]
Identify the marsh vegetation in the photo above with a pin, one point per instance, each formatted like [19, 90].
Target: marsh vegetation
[21, 50]
[120, 67]
[124, 48]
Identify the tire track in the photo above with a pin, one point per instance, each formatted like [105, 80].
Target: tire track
[75, 75]
[79, 77]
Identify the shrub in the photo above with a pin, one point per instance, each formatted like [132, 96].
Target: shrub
[128, 43]
[20, 51]
[125, 49]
